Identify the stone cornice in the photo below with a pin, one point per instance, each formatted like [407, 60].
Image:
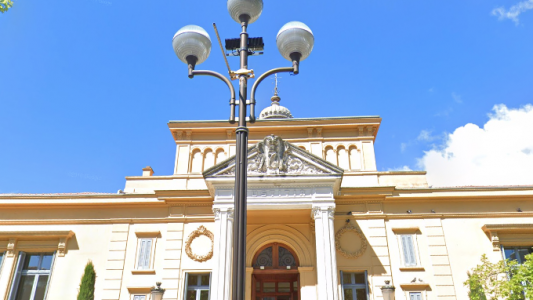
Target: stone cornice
[36, 234]
[525, 227]
[386, 216]
[414, 285]
[61, 236]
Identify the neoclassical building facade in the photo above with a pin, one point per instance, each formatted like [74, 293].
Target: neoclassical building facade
[323, 222]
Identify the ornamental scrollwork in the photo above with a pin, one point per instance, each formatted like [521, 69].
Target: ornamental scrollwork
[197, 233]
[274, 156]
[348, 227]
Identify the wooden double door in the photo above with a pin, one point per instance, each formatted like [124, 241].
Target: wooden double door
[275, 285]
[275, 275]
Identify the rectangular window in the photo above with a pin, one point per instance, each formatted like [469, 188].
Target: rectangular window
[144, 254]
[354, 286]
[197, 286]
[139, 297]
[2, 254]
[517, 253]
[32, 276]
[415, 296]
[408, 250]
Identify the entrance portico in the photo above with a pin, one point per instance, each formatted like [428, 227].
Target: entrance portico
[281, 178]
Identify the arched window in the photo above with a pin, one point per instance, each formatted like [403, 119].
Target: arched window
[342, 156]
[197, 160]
[220, 155]
[302, 147]
[330, 155]
[355, 158]
[275, 256]
[209, 159]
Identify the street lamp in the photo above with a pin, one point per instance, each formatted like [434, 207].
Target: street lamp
[388, 291]
[157, 292]
[192, 46]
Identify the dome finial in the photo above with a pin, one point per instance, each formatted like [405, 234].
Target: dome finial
[275, 111]
[276, 84]
[275, 99]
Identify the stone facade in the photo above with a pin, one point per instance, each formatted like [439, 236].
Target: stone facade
[315, 198]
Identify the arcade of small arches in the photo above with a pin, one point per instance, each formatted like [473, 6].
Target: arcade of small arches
[206, 158]
[347, 157]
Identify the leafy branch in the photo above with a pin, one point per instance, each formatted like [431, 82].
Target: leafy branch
[5, 5]
[505, 279]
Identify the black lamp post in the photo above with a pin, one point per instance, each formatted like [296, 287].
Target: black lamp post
[192, 46]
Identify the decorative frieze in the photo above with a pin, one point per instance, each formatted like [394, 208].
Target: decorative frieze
[280, 193]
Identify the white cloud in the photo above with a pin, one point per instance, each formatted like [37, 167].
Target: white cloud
[457, 98]
[500, 153]
[426, 136]
[444, 113]
[404, 168]
[514, 11]
[403, 146]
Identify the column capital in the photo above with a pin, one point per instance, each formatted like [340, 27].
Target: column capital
[317, 210]
[223, 210]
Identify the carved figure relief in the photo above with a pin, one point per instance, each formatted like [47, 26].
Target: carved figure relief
[195, 234]
[348, 227]
[274, 156]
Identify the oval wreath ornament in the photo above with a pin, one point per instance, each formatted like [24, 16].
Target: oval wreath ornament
[348, 227]
[197, 233]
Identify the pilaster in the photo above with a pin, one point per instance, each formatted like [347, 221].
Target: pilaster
[221, 280]
[326, 259]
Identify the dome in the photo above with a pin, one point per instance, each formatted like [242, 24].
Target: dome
[275, 111]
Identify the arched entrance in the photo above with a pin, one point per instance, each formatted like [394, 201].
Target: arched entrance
[275, 275]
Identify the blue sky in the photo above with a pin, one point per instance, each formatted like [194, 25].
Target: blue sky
[89, 85]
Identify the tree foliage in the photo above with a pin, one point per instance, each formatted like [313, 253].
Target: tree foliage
[505, 279]
[5, 5]
[87, 283]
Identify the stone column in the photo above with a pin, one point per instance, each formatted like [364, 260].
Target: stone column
[221, 276]
[326, 259]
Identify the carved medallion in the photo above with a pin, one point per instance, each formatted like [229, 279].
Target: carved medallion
[197, 233]
[348, 227]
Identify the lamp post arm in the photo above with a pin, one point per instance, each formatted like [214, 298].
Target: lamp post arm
[228, 82]
[258, 81]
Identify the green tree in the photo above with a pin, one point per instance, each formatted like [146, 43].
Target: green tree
[521, 282]
[505, 279]
[5, 5]
[87, 283]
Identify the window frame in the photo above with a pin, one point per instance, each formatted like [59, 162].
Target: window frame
[2, 258]
[199, 287]
[414, 244]
[353, 286]
[421, 295]
[139, 295]
[151, 256]
[518, 259]
[19, 272]
[275, 257]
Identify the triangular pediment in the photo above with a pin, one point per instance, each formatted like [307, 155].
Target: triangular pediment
[275, 157]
